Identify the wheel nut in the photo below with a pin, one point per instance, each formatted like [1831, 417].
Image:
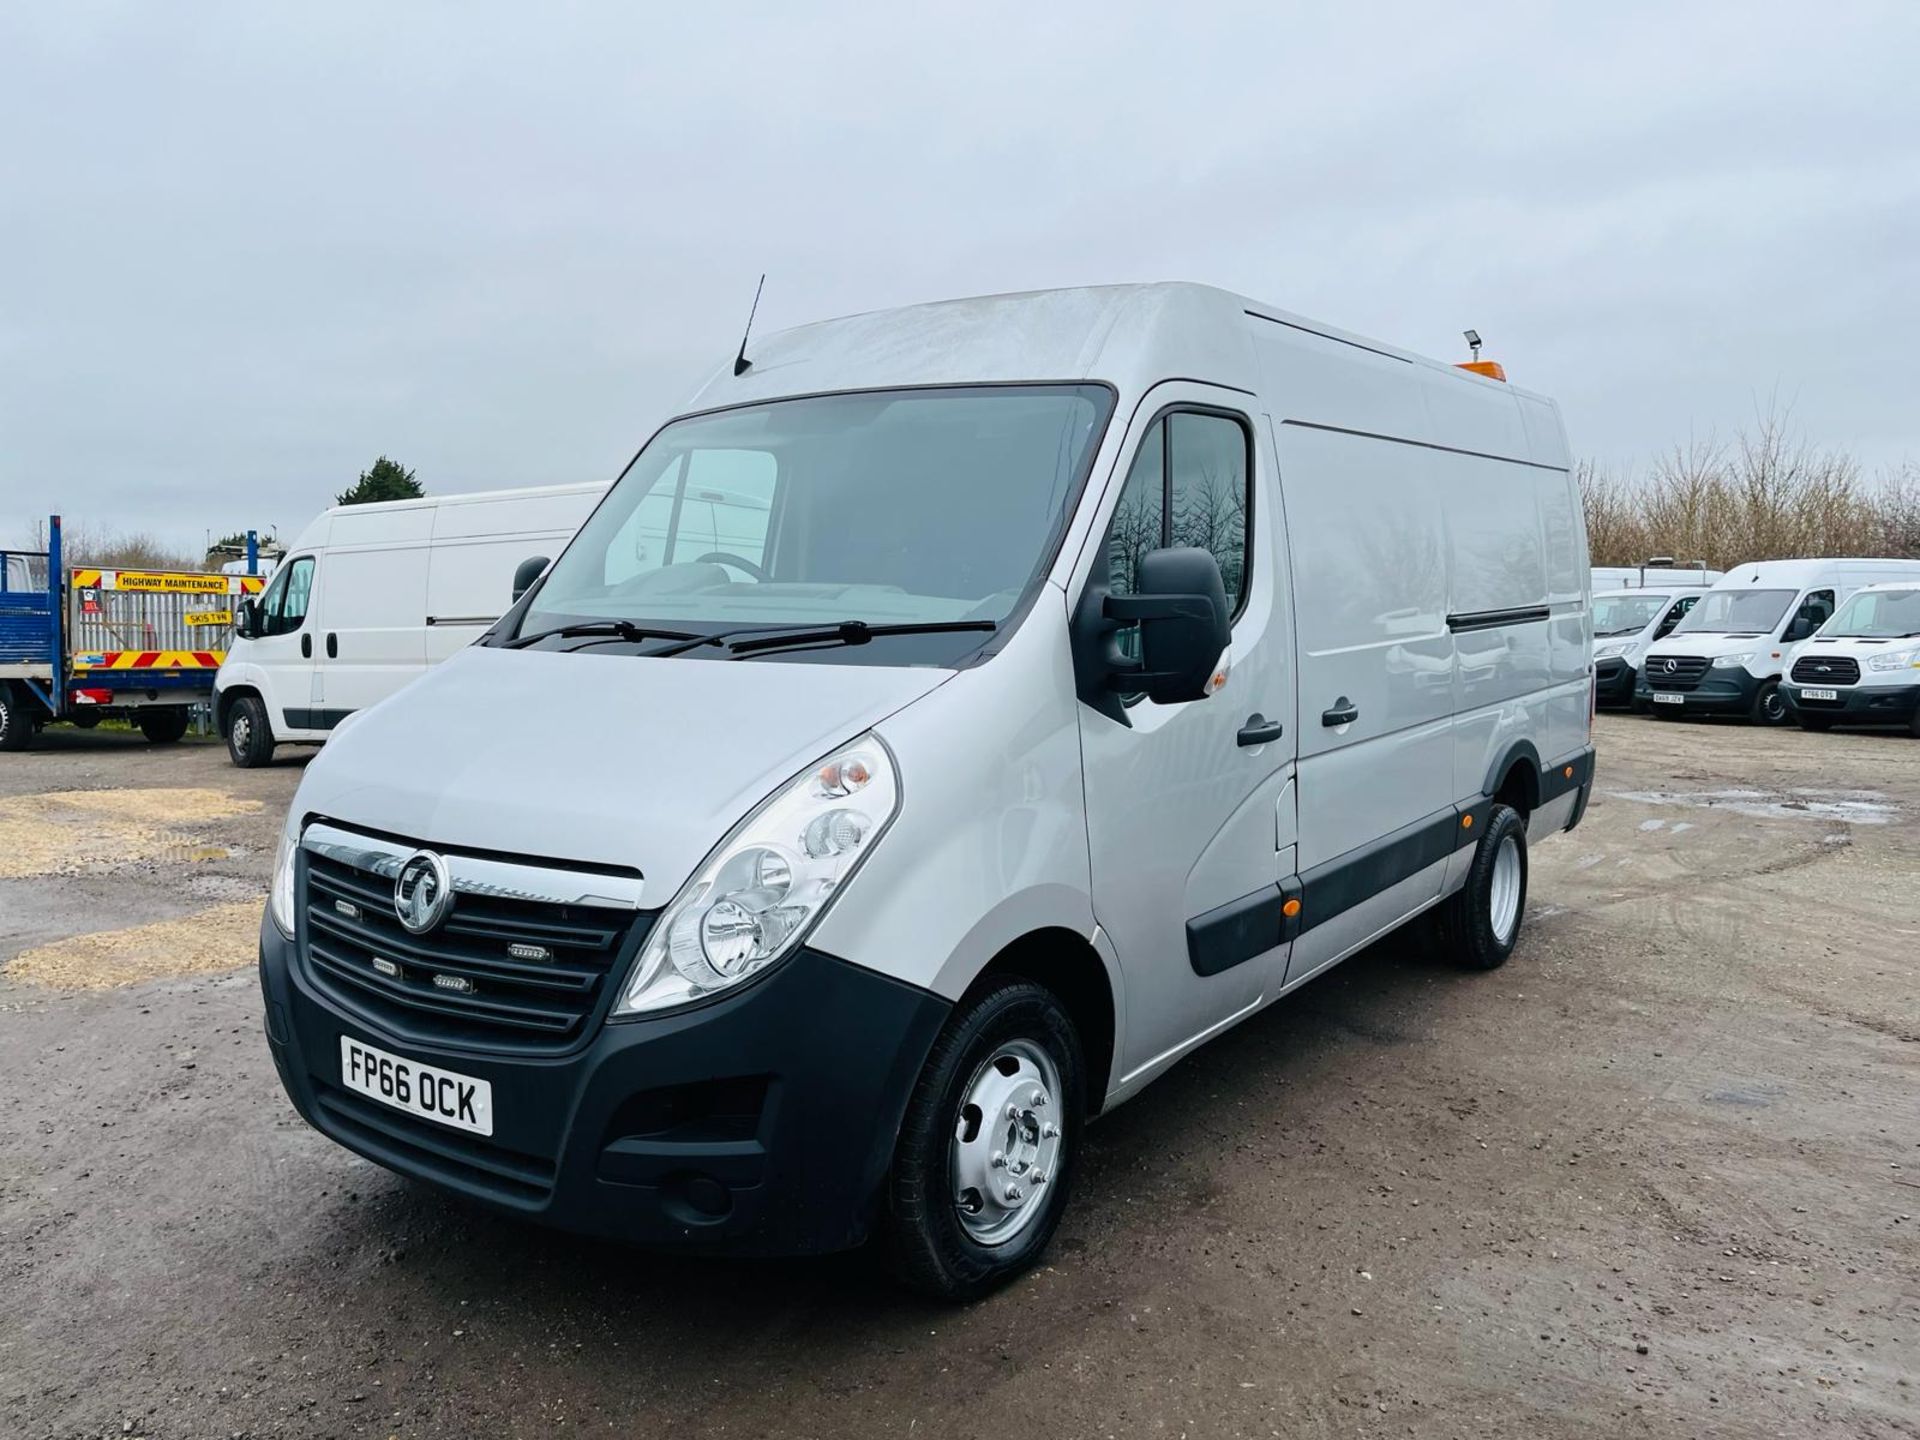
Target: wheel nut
[1038, 1177]
[1013, 1112]
[1015, 1194]
[1049, 1131]
[999, 1161]
[1039, 1099]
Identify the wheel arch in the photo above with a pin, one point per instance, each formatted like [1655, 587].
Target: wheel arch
[1514, 779]
[1067, 963]
[224, 702]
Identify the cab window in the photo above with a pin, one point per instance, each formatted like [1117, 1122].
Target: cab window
[283, 609]
[1680, 608]
[1189, 485]
[1814, 612]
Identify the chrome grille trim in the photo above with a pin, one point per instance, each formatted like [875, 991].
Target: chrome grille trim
[471, 875]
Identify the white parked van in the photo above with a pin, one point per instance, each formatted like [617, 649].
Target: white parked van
[1625, 622]
[1863, 665]
[1096, 667]
[369, 596]
[1727, 656]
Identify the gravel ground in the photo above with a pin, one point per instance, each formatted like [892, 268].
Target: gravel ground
[1658, 1176]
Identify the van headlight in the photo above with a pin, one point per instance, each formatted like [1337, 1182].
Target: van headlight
[280, 897]
[769, 882]
[1608, 652]
[1894, 660]
[1732, 662]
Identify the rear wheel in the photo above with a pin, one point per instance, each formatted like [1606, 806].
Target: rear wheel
[989, 1141]
[84, 719]
[1770, 706]
[16, 721]
[1480, 923]
[165, 724]
[249, 734]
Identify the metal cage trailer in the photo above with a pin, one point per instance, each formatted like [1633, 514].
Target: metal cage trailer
[87, 644]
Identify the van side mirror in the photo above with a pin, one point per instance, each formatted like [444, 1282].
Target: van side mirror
[1180, 604]
[246, 620]
[530, 570]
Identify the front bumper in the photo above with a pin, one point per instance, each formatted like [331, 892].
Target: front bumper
[1720, 692]
[1865, 704]
[761, 1123]
[1613, 680]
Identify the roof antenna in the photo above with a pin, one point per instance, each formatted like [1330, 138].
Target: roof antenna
[740, 362]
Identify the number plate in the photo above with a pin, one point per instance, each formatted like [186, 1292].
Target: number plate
[424, 1090]
[1819, 694]
[1669, 699]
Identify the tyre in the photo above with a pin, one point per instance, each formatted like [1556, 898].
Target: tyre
[1480, 923]
[1815, 722]
[165, 724]
[16, 722]
[988, 1145]
[84, 719]
[249, 735]
[1769, 706]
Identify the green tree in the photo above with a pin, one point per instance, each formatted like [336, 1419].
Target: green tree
[386, 480]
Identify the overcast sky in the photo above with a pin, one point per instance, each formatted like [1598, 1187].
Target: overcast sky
[246, 248]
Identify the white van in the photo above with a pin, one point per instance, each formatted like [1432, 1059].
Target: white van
[1101, 666]
[1727, 656]
[369, 596]
[1863, 665]
[1625, 622]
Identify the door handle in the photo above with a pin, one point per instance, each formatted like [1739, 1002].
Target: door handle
[1344, 712]
[1259, 730]
[306, 647]
[333, 647]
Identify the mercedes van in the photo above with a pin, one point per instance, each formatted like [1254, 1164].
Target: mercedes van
[1863, 666]
[368, 597]
[1625, 622]
[1100, 666]
[1729, 653]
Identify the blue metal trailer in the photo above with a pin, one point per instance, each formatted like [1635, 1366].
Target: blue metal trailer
[90, 643]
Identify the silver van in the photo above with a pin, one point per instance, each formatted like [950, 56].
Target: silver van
[1073, 675]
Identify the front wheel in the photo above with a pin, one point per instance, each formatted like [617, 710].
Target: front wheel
[1770, 706]
[163, 726]
[16, 724]
[249, 734]
[988, 1145]
[1480, 922]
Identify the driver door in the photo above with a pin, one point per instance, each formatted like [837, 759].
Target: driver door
[1190, 820]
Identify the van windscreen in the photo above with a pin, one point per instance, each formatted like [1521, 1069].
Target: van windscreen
[1736, 612]
[1877, 615]
[885, 507]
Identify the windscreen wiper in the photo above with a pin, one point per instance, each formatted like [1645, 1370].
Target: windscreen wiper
[852, 632]
[608, 629]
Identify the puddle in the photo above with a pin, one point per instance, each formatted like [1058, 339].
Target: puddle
[1852, 807]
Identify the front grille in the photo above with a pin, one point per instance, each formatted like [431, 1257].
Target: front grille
[1826, 670]
[1675, 672]
[458, 984]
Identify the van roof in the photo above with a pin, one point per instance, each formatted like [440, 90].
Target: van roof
[1801, 573]
[316, 529]
[1131, 335]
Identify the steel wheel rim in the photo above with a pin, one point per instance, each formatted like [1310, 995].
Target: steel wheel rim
[1007, 1142]
[241, 732]
[1774, 707]
[1503, 897]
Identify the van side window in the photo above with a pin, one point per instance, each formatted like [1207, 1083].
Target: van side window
[1188, 486]
[1684, 604]
[286, 612]
[1814, 612]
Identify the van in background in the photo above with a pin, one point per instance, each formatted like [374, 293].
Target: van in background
[1729, 653]
[369, 596]
[1659, 571]
[1863, 667]
[1625, 622]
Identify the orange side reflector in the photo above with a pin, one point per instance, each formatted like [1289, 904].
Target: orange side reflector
[1290, 909]
[1492, 369]
[1568, 772]
[1466, 822]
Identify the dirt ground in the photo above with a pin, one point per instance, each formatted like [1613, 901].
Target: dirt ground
[1658, 1176]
